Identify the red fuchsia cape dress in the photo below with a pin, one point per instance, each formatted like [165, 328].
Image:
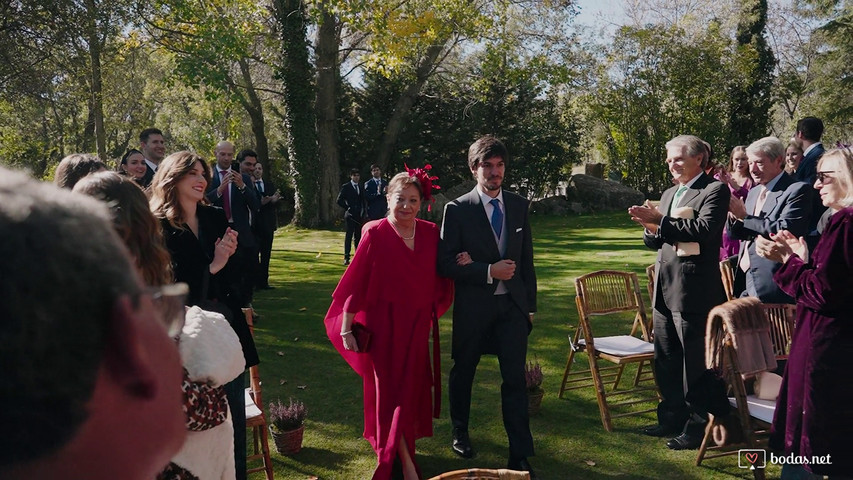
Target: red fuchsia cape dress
[397, 294]
[814, 410]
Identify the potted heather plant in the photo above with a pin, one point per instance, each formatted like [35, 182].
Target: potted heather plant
[287, 424]
[533, 379]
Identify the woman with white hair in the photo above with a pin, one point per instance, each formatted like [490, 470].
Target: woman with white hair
[814, 415]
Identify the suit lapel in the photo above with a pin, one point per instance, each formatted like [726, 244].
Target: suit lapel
[481, 222]
[666, 201]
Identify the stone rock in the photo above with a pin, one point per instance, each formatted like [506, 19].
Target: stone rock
[556, 205]
[597, 195]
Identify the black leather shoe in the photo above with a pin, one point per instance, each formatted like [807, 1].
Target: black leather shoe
[522, 465]
[660, 431]
[462, 444]
[684, 442]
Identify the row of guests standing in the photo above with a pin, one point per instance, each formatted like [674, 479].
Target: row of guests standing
[773, 225]
[206, 226]
[253, 214]
[361, 203]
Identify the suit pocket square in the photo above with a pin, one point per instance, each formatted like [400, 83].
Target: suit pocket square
[518, 229]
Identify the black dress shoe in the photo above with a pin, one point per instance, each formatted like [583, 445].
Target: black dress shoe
[462, 444]
[522, 465]
[684, 442]
[660, 431]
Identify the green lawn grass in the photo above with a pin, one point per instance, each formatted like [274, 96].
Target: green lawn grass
[298, 361]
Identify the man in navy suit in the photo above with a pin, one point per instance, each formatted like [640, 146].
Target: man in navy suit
[266, 223]
[809, 131]
[778, 202]
[375, 190]
[686, 230]
[233, 192]
[487, 249]
[351, 199]
[153, 148]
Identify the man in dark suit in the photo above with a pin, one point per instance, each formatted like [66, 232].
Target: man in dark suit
[778, 202]
[153, 148]
[351, 199]
[809, 131]
[686, 230]
[234, 193]
[265, 224]
[495, 295]
[375, 190]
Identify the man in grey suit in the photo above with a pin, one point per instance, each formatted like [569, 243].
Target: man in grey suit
[778, 202]
[686, 230]
[495, 295]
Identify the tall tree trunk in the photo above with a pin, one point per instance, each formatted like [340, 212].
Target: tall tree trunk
[749, 109]
[252, 103]
[326, 107]
[404, 104]
[299, 120]
[97, 104]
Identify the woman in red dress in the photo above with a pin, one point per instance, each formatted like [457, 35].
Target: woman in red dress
[392, 289]
[814, 416]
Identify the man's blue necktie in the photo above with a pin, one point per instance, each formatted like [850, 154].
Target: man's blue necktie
[497, 217]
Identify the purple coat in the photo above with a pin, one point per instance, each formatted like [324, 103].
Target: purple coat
[814, 411]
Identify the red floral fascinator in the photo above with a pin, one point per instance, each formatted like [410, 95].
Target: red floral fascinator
[423, 176]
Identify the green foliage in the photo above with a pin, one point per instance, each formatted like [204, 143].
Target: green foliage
[659, 83]
[750, 93]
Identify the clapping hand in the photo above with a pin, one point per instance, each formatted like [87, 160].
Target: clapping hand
[223, 249]
[781, 246]
[646, 215]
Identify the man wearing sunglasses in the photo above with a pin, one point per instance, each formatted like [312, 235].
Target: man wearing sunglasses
[89, 377]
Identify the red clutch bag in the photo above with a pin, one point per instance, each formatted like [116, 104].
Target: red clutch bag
[362, 337]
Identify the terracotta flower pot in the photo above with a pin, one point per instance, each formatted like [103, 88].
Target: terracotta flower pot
[288, 443]
[534, 401]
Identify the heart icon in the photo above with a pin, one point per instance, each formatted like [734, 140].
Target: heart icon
[751, 457]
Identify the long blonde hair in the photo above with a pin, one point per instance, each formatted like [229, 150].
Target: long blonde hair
[164, 192]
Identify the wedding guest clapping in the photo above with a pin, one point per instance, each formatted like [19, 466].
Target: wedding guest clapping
[813, 415]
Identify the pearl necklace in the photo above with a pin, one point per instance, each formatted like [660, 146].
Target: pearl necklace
[414, 230]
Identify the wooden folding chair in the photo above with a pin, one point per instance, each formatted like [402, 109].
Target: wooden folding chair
[782, 317]
[727, 273]
[602, 293]
[650, 275]
[255, 418]
[483, 474]
[753, 415]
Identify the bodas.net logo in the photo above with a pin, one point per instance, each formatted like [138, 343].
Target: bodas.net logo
[752, 458]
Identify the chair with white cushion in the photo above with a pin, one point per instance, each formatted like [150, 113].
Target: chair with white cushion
[600, 294]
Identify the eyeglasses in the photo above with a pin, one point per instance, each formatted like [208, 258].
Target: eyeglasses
[168, 301]
[822, 176]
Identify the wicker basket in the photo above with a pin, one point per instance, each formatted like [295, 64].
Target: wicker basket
[288, 443]
[534, 401]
